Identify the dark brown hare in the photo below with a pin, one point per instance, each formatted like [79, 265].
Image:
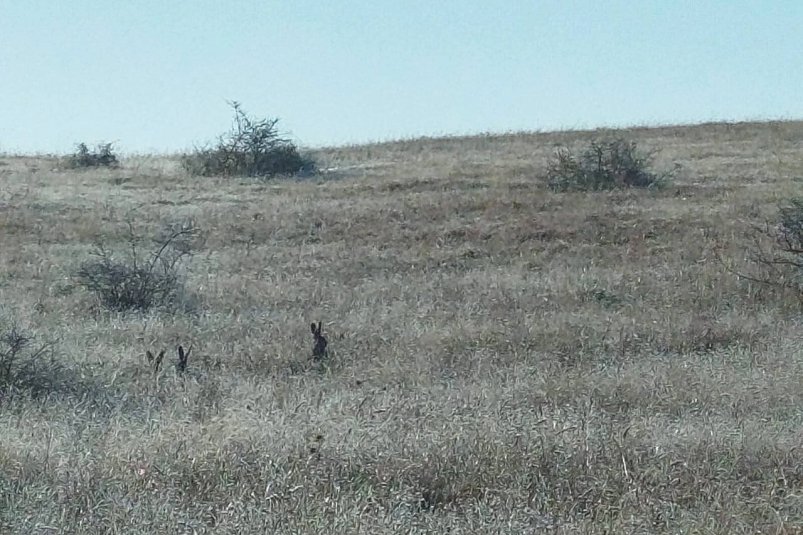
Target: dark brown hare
[319, 352]
[181, 365]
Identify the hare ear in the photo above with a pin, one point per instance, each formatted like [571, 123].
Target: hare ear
[312, 326]
[181, 352]
[320, 326]
[149, 355]
[159, 359]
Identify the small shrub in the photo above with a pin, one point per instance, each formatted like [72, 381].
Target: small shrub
[102, 156]
[782, 263]
[12, 344]
[602, 166]
[776, 257]
[790, 228]
[22, 363]
[137, 281]
[252, 148]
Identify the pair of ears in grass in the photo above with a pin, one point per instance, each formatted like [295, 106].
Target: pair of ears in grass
[156, 361]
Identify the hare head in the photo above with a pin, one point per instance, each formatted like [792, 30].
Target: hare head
[319, 351]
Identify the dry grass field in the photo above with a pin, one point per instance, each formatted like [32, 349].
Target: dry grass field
[503, 358]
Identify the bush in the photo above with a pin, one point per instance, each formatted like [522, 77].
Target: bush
[602, 166]
[790, 229]
[782, 264]
[103, 156]
[22, 363]
[252, 148]
[776, 258]
[141, 282]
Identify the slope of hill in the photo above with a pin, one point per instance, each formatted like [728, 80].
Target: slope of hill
[504, 358]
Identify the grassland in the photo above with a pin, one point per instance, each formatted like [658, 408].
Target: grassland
[505, 359]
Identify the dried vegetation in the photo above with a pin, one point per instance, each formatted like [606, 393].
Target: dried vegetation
[500, 357]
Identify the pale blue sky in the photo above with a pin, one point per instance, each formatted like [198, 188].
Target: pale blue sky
[155, 75]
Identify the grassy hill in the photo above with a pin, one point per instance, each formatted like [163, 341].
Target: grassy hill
[503, 358]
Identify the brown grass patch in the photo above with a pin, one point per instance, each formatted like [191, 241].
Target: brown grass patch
[504, 358]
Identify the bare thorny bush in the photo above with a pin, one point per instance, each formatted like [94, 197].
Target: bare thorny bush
[142, 280]
[783, 265]
[603, 165]
[776, 257]
[252, 148]
[22, 362]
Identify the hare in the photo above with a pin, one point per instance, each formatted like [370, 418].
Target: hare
[181, 365]
[155, 362]
[319, 351]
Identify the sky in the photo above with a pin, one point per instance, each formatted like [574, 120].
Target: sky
[157, 75]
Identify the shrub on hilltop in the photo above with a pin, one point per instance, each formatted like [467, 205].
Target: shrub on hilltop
[252, 148]
[604, 165]
[102, 156]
